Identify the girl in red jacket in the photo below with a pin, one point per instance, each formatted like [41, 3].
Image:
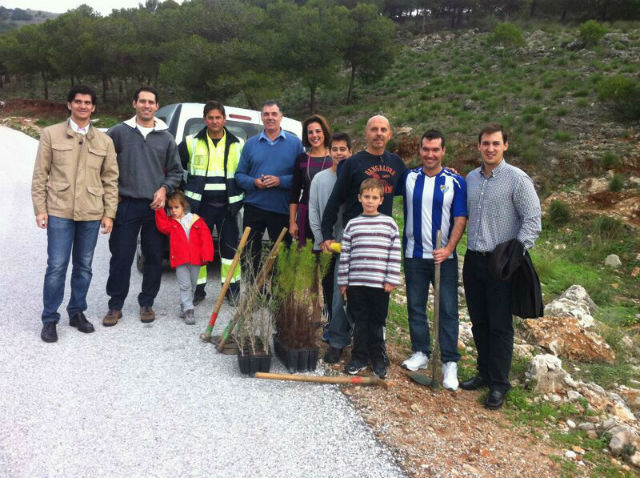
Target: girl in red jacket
[190, 246]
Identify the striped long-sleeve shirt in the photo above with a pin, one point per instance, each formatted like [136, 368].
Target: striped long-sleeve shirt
[370, 253]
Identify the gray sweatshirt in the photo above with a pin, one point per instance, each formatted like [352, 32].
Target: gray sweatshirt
[321, 187]
[145, 164]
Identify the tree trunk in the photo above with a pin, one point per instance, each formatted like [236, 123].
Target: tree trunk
[251, 101]
[351, 82]
[312, 98]
[532, 10]
[45, 84]
[105, 86]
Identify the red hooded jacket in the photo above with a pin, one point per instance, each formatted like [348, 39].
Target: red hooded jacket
[196, 250]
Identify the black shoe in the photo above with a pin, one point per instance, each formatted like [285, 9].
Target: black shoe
[474, 383]
[49, 333]
[332, 355]
[80, 322]
[355, 366]
[380, 367]
[494, 400]
[198, 296]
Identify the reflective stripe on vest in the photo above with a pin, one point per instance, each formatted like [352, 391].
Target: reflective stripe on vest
[225, 267]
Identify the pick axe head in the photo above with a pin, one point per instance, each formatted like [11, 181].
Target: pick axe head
[423, 379]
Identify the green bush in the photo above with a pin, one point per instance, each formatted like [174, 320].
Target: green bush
[558, 213]
[622, 94]
[610, 160]
[590, 32]
[608, 228]
[616, 183]
[563, 136]
[507, 34]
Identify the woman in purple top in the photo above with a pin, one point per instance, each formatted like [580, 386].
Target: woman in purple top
[315, 137]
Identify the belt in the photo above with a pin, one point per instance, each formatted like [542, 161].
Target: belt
[478, 253]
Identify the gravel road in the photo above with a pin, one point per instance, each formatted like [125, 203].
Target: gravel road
[151, 400]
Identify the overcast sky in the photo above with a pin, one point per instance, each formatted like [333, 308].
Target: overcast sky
[104, 7]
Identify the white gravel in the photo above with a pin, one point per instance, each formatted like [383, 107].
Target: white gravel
[151, 400]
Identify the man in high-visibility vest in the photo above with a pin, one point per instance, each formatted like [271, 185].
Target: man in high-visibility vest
[211, 158]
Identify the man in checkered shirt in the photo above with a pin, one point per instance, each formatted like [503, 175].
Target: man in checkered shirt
[502, 205]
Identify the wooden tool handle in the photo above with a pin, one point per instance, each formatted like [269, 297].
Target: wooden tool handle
[357, 380]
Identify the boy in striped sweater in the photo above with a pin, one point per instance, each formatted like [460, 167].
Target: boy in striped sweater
[369, 270]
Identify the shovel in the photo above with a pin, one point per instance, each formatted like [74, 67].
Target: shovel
[422, 379]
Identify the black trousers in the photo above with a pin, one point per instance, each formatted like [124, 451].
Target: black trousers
[259, 220]
[133, 216]
[368, 307]
[227, 227]
[489, 303]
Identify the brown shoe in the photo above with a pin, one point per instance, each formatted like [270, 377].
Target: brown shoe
[111, 318]
[147, 314]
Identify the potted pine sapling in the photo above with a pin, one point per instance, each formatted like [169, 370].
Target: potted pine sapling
[297, 306]
[254, 330]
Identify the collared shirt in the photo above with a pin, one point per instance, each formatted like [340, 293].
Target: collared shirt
[78, 129]
[502, 206]
[281, 135]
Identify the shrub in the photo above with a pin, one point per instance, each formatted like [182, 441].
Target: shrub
[558, 213]
[590, 32]
[507, 34]
[563, 136]
[608, 228]
[622, 94]
[616, 183]
[610, 160]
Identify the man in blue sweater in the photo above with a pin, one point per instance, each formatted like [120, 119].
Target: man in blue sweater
[265, 172]
[149, 169]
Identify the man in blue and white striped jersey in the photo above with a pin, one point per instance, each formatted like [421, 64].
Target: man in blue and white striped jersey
[435, 199]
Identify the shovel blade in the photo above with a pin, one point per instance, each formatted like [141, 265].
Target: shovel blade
[423, 379]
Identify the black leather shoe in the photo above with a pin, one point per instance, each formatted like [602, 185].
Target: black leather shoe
[80, 322]
[495, 399]
[49, 333]
[474, 383]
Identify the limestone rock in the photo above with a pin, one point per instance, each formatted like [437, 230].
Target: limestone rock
[612, 260]
[523, 350]
[565, 337]
[608, 402]
[547, 373]
[631, 396]
[574, 302]
[464, 332]
[621, 440]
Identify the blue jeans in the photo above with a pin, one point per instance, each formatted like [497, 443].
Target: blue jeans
[133, 216]
[64, 237]
[419, 273]
[340, 329]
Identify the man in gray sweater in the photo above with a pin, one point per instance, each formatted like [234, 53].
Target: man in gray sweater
[149, 169]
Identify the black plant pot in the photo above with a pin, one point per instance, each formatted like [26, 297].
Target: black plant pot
[296, 360]
[250, 364]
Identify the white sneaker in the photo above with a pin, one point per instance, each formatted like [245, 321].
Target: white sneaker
[417, 361]
[450, 372]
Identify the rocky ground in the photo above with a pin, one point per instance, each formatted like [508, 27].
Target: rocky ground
[442, 433]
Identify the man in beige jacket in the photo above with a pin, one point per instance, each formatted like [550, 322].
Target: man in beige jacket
[74, 192]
